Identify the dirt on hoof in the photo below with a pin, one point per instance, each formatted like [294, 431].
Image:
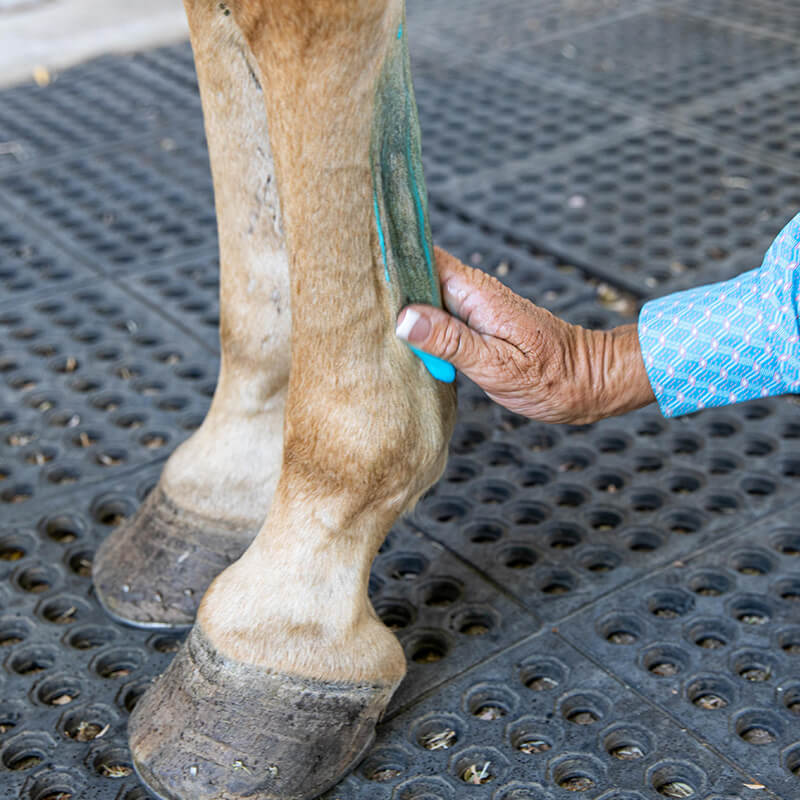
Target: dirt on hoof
[152, 570]
[213, 728]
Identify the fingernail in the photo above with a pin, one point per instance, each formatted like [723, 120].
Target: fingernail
[412, 326]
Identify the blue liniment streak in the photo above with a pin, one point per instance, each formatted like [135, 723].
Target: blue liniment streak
[437, 367]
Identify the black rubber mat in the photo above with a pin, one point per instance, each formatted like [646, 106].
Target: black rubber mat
[651, 212]
[542, 722]
[590, 154]
[69, 672]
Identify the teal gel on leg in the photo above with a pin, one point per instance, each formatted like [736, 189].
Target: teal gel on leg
[400, 197]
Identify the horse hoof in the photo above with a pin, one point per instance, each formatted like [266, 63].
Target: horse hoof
[214, 729]
[153, 570]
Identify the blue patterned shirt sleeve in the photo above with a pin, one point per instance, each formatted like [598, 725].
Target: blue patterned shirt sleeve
[727, 342]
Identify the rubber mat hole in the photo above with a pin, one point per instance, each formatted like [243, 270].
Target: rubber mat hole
[542, 676]
[609, 482]
[758, 447]
[63, 529]
[573, 461]
[65, 419]
[683, 522]
[793, 761]
[460, 471]
[118, 664]
[604, 519]
[484, 532]
[556, 582]
[612, 444]
[13, 548]
[168, 357]
[475, 772]
[89, 637]
[37, 579]
[467, 438]
[518, 557]
[534, 476]
[720, 429]
[446, 511]
[719, 503]
[788, 590]
[130, 696]
[385, 765]
[406, 567]
[86, 724]
[569, 496]
[563, 536]
[754, 666]
[620, 629]
[759, 487]
[33, 659]
[27, 751]
[85, 385]
[65, 365]
[441, 593]
[647, 463]
[583, 709]
[600, 560]
[752, 562]
[527, 737]
[528, 514]
[58, 690]
[17, 494]
[130, 421]
[40, 455]
[664, 661]
[710, 693]
[113, 763]
[541, 440]
[166, 643]
[677, 780]
[790, 468]
[107, 353]
[474, 622]
[758, 727]
[41, 402]
[711, 633]
[13, 631]
[642, 540]
[111, 510]
[710, 584]
[10, 717]
[490, 494]
[60, 611]
[722, 465]
[490, 704]
[111, 457]
[790, 641]
[669, 604]
[627, 743]
[502, 455]
[80, 563]
[85, 439]
[108, 402]
[686, 445]
[428, 649]
[751, 610]
[791, 699]
[395, 614]
[574, 775]
[787, 543]
[684, 483]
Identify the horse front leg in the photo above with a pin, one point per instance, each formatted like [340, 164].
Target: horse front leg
[280, 684]
[216, 488]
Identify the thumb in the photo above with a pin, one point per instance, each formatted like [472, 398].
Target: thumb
[436, 332]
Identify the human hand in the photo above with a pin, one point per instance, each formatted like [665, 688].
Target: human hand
[524, 357]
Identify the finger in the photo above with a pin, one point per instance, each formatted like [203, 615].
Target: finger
[442, 335]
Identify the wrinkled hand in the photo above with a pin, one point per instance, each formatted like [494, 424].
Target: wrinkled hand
[524, 357]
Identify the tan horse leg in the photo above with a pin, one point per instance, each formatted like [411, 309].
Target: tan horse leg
[216, 488]
[277, 690]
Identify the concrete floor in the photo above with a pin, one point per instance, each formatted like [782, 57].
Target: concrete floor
[37, 39]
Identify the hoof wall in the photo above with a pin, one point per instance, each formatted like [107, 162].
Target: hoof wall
[152, 571]
[214, 729]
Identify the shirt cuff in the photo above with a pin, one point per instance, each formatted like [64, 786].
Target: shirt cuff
[727, 342]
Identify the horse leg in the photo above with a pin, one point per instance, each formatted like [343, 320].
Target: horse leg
[276, 692]
[215, 489]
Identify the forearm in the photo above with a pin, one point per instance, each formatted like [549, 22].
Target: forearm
[609, 374]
